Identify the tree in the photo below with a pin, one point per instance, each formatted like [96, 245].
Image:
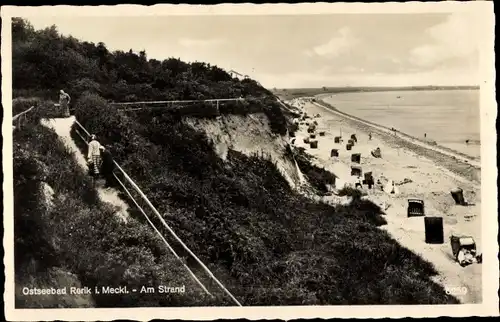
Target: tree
[22, 30]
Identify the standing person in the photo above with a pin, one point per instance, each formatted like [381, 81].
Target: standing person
[64, 100]
[359, 183]
[94, 154]
[370, 136]
[107, 167]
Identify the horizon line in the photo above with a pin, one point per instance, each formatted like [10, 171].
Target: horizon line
[380, 87]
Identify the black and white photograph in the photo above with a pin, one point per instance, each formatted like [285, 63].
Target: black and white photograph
[266, 161]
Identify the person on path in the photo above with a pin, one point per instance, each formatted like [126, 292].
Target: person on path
[370, 136]
[107, 167]
[64, 100]
[94, 154]
[359, 183]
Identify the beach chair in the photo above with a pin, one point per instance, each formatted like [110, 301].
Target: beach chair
[314, 144]
[356, 157]
[376, 153]
[337, 139]
[348, 147]
[464, 249]
[312, 136]
[354, 138]
[306, 140]
[461, 242]
[434, 231]
[356, 171]
[350, 141]
[334, 153]
[322, 133]
[415, 208]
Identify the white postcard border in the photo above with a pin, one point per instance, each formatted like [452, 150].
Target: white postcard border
[488, 156]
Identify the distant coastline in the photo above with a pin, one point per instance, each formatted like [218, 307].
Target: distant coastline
[290, 93]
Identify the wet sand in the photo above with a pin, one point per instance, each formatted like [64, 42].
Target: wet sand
[432, 177]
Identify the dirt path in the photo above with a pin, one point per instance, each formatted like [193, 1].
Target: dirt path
[62, 127]
[429, 182]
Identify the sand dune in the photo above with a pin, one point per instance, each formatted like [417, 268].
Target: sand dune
[428, 181]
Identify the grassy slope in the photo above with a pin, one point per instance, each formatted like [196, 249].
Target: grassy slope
[77, 240]
[270, 245]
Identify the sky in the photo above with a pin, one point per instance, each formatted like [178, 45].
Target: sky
[297, 51]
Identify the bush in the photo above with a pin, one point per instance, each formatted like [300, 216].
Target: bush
[351, 192]
[319, 178]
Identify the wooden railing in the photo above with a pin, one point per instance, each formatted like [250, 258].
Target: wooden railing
[217, 101]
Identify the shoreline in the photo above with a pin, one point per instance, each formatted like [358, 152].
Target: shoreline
[319, 100]
[462, 165]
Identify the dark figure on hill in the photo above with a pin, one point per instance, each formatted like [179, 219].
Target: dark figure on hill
[107, 167]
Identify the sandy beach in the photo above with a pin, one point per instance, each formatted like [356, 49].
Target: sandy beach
[428, 175]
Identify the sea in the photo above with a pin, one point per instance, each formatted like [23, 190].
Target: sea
[449, 117]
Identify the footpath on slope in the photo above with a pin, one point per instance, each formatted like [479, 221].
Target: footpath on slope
[62, 127]
[428, 182]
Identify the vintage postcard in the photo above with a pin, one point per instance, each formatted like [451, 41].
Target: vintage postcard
[249, 161]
